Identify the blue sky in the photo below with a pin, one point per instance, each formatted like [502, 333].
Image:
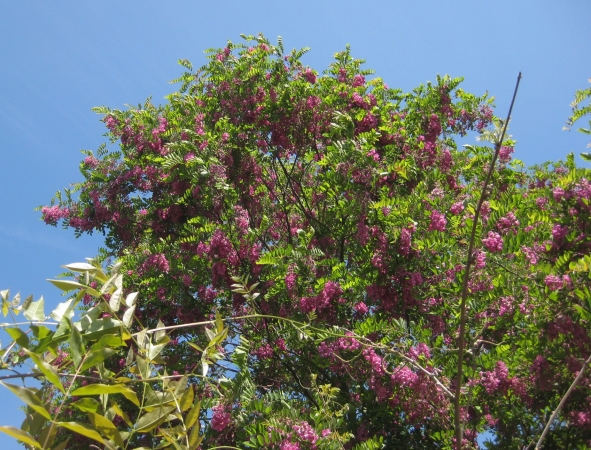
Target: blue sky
[59, 59]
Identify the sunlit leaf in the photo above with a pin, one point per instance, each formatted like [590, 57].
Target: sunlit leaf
[187, 399]
[120, 412]
[128, 315]
[115, 300]
[20, 435]
[19, 336]
[95, 357]
[193, 416]
[84, 430]
[97, 389]
[35, 311]
[79, 267]
[76, 345]
[48, 370]
[29, 397]
[105, 427]
[63, 309]
[131, 299]
[152, 419]
[66, 285]
[87, 404]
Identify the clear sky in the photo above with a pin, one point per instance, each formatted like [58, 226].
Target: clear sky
[58, 59]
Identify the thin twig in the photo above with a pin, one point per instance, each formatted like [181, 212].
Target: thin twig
[561, 404]
[462, 337]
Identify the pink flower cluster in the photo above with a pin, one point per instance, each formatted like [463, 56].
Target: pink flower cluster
[438, 221]
[305, 432]
[51, 214]
[505, 154]
[457, 208]
[309, 76]
[330, 292]
[495, 380]
[479, 259]
[221, 417]
[493, 242]
[508, 223]
[554, 282]
[158, 262]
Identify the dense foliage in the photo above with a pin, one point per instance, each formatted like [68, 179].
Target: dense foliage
[300, 241]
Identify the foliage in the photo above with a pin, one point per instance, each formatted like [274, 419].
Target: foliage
[299, 243]
[580, 111]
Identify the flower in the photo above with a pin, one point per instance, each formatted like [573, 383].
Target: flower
[493, 242]
[438, 221]
[221, 417]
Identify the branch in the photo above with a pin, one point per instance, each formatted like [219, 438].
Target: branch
[462, 337]
[561, 404]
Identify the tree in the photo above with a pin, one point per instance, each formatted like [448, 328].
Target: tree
[291, 249]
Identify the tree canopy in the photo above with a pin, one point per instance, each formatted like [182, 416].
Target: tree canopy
[284, 268]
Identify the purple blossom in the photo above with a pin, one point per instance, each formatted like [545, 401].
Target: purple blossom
[305, 432]
[309, 75]
[358, 80]
[361, 308]
[91, 161]
[158, 262]
[559, 232]
[438, 221]
[51, 214]
[553, 282]
[479, 259]
[457, 208]
[493, 242]
[505, 154]
[221, 417]
[558, 194]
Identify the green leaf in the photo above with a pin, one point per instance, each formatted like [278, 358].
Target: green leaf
[66, 285]
[187, 399]
[115, 300]
[128, 315]
[105, 427]
[96, 357]
[29, 397]
[48, 370]
[115, 407]
[87, 405]
[35, 311]
[193, 415]
[152, 419]
[76, 345]
[194, 438]
[586, 156]
[131, 299]
[109, 340]
[19, 336]
[154, 350]
[80, 267]
[100, 327]
[21, 436]
[98, 389]
[62, 310]
[62, 445]
[84, 430]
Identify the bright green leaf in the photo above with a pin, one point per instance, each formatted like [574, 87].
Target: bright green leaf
[98, 389]
[95, 357]
[48, 370]
[29, 397]
[21, 436]
[35, 311]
